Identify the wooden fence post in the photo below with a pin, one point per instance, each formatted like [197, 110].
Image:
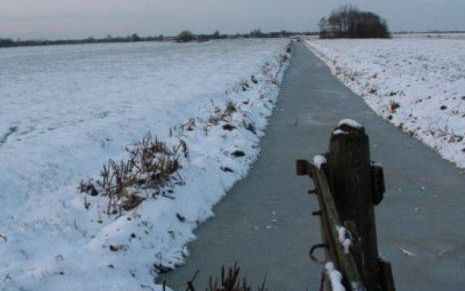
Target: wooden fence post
[357, 186]
[348, 186]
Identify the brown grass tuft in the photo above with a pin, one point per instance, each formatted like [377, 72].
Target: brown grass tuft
[152, 165]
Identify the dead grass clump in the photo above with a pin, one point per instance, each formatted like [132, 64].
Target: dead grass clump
[152, 165]
[230, 108]
[88, 188]
[393, 106]
[443, 132]
[222, 115]
[190, 125]
[229, 281]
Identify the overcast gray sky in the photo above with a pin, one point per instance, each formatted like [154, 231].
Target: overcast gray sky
[82, 18]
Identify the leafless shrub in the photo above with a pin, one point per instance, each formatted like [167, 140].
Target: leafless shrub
[117, 183]
[185, 36]
[152, 165]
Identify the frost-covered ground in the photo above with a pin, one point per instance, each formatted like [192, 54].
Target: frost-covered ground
[416, 82]
[66, 110]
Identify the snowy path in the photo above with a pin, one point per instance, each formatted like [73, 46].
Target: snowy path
[420, 222]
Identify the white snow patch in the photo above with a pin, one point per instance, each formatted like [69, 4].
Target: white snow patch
[335, 277]
[343, 238]
[339, 132]
[319, 160]
[349, 123]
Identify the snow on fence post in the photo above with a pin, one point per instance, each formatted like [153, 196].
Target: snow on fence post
[350, 179]
[348, 185]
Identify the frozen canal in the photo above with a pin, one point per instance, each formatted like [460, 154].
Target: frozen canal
[419, 222]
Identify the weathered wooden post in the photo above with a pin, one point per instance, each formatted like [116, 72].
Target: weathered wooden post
[357, 185]
[348, 186]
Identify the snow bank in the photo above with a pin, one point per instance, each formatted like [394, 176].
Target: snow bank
[66, 110]
[416, 82]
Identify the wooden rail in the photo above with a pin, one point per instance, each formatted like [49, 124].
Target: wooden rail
[348, 186]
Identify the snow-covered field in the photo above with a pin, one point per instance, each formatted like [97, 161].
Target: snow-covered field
[417, 83]
[66, 110]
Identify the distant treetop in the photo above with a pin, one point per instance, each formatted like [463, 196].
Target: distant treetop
[185, 36]
[349, 22]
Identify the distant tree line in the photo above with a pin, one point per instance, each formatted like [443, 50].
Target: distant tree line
[184, 36]
[7, 42]
[349, 22]
[187, 36]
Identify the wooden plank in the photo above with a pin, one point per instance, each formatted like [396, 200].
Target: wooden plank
[344, 262]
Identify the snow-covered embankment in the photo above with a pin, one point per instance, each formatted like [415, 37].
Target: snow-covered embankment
[55, 238]
[418, 84]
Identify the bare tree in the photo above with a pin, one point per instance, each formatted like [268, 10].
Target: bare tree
[349, 22]
[185, 36]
